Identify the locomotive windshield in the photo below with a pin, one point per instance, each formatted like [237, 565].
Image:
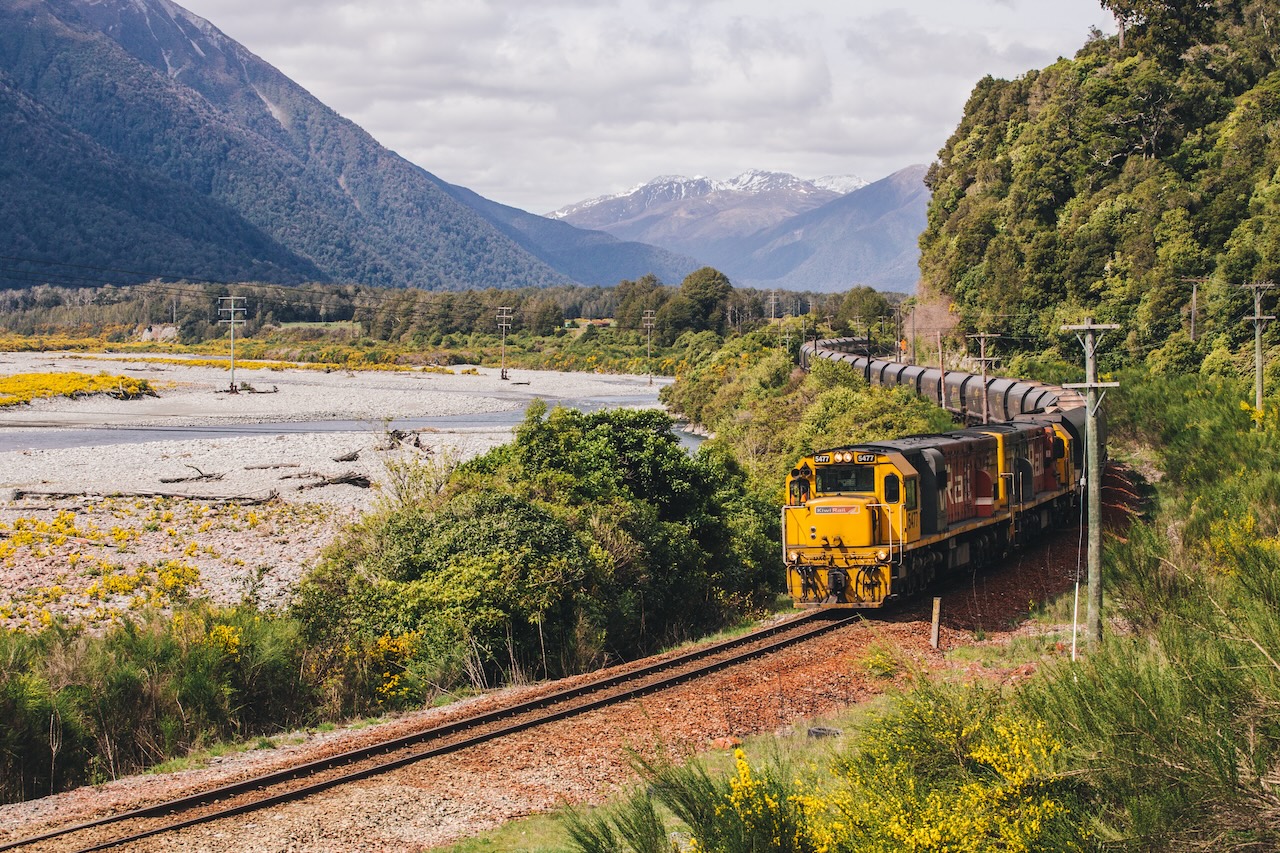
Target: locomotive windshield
[846, 478]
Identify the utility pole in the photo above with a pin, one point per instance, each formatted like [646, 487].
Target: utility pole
[773, 313]
[1087, 335]
[231, 311]
[897, 334]
[648, 332]
[504, 323]
[942, 374]
[913, 335]
[984, 361]
[1195, 293]
[1258, 319]
[866, 345]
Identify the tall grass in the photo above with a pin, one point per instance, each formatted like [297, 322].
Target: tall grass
[79, 708]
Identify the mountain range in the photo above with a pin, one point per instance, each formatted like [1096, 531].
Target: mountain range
[137, 136]
[772, 229]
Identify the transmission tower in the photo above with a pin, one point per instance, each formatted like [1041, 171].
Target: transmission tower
[648, 333]
[231, 311]
[504, 323]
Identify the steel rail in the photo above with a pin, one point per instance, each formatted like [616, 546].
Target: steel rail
[818, 622]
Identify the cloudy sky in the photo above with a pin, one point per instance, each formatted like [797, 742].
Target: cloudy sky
[542, 103]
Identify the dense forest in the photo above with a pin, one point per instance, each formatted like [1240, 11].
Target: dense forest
[1135, 183]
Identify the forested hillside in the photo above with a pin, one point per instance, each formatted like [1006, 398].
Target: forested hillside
[140, 137]
[1105, 184]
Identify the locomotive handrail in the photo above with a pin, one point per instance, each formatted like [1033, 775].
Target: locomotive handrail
[902, 529]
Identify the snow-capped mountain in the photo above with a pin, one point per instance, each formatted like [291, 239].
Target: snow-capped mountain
[773, 229]
[842, 184]
[673, 189]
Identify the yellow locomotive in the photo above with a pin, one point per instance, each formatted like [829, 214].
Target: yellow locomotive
[866, 524]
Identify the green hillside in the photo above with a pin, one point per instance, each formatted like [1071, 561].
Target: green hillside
[1102, 184]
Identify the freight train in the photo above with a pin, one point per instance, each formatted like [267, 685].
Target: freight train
[866, 524]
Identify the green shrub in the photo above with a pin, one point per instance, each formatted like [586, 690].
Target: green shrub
[589, 536]
[79, 708]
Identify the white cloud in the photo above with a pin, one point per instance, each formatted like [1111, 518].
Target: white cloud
[542, 104]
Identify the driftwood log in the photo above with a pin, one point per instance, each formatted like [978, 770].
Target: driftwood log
[199, 478]
[351, 478]
[215, 500]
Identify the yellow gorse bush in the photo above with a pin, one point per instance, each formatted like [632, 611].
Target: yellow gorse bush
[389, 657]
[1001, 799]
[943, 772]
[22, 388]
[226, 639]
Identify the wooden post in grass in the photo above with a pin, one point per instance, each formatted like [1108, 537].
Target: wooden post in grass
[934, 633]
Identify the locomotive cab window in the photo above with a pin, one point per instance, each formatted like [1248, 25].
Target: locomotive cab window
[843, 479]
[911, 493]
[892, 489]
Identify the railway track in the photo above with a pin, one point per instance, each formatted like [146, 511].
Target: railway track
[302, 780]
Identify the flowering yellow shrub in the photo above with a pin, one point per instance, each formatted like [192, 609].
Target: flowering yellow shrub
[22, 388]
[945, 771]
[781, 819]
[226, 639]
[997, 795]
[1232, 535]
[389, 657]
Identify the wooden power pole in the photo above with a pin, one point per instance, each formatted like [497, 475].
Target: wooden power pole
[1089, 339]
[1258, 319]
[649, 315]
[984, 361]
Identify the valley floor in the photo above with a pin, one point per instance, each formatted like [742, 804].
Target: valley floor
[189, 467]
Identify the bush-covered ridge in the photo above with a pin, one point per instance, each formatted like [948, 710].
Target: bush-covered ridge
[1102, 185]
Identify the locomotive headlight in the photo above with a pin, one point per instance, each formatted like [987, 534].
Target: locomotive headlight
[882, 555]
[794, 556]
